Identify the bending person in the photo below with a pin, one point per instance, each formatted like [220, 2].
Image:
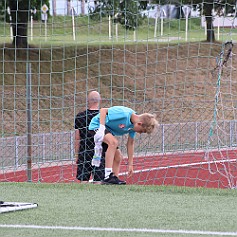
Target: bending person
[118, 121]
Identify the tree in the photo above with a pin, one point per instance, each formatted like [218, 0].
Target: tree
[20, 12]
[206, 8]
[126, 12]
[68, 7]
[20, 16]
[54, 6]
[82, 7]
[2, 7]
[130, 13]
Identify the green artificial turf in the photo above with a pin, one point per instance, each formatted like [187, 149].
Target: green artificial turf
[120, 207]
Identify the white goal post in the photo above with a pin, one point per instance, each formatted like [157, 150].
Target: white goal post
[15, 206]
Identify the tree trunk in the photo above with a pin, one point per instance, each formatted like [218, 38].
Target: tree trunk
[54, 7]
[68, 7]
[82, 7]
[20, 15]
[210, 28]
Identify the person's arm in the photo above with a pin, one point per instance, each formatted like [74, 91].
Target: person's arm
[77, 142]
[103, 113]
[99, 136]
[130, 151]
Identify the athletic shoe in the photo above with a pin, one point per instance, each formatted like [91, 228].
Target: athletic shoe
[112, 179]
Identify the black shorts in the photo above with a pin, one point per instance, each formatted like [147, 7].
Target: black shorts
[92, 132]
[84, 168]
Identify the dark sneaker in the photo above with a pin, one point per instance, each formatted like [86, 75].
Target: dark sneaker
[120, 182]
[113, 180]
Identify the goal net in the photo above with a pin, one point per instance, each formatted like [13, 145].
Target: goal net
[165, 58]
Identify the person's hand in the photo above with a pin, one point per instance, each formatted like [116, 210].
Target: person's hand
[76, 157]
[130, 170]
[99, 135]
[97, 155]
[98, 149]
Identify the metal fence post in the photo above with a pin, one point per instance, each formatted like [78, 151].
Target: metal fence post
[163, 138]
[72, 144]
[16, 158]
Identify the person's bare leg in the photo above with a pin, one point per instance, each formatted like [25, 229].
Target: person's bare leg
[117, 161]
[112, 143]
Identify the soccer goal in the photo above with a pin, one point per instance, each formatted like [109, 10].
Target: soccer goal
[173, 60]
[15, 206]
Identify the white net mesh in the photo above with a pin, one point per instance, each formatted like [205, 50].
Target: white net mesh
[158, 62]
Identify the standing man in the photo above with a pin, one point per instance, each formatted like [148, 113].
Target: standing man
[84, 142]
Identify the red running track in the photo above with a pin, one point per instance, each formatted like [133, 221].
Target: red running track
[179, 169]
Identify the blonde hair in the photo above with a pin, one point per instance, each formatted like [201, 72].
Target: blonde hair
[149, 122]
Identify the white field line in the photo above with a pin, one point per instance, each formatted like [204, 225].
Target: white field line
[79, 228]
[180, 166]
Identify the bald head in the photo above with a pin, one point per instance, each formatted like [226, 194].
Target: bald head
[93, 99]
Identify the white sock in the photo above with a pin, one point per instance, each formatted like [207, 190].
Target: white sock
[108, 171]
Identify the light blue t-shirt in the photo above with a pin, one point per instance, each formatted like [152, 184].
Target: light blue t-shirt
[118, 121]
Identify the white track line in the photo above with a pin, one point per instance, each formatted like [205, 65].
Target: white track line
[193, 232]
[180, 165]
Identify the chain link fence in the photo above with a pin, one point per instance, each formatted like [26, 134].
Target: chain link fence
[59, 146]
